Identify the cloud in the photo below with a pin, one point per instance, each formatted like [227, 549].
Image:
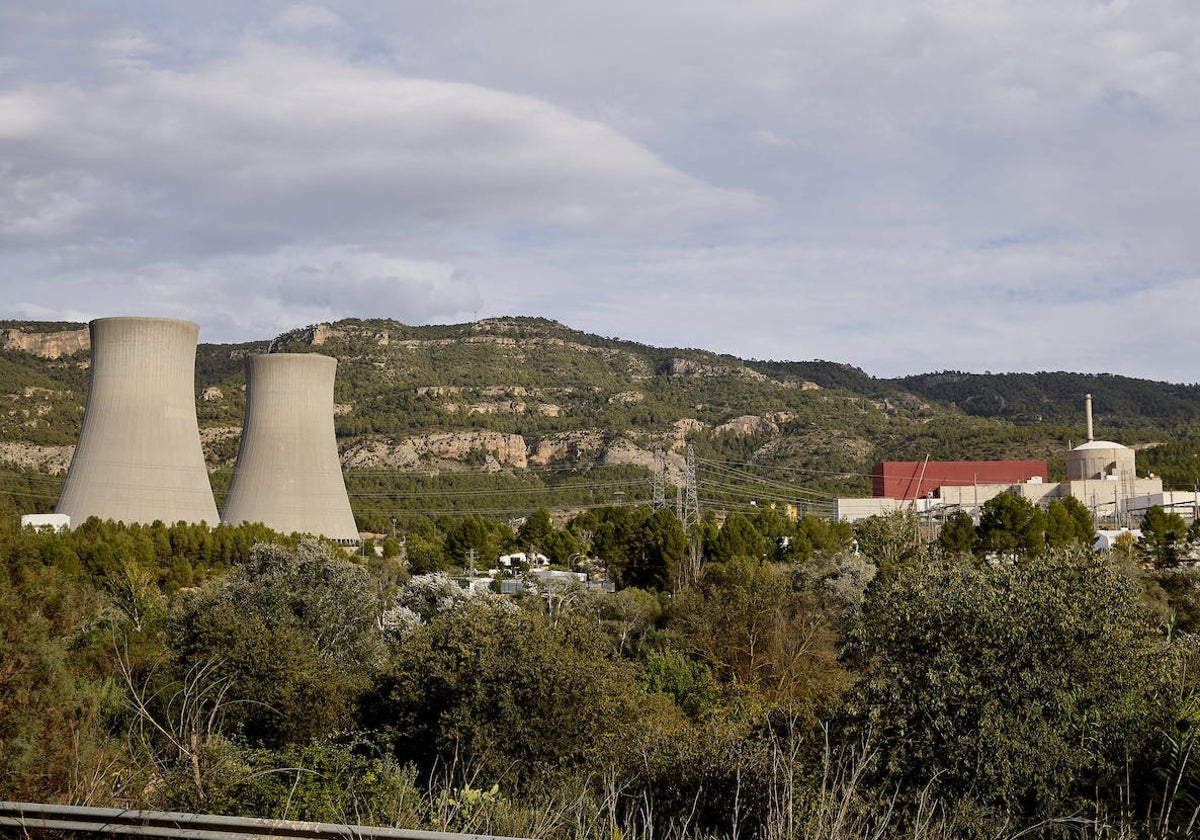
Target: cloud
[276, 145]
[237, 299]
[300, 18]
[983, 185]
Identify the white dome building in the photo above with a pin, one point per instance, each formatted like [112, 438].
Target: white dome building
[1100, 459]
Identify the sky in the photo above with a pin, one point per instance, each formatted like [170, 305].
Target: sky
[902, 185]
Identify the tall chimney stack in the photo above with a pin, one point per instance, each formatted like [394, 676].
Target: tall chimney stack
[1088, 409]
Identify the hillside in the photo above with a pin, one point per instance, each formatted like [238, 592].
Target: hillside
[506, 414]
[1121, 403]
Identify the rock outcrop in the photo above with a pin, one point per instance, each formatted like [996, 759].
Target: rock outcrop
[43, 459]
[748, 424]
[51, 345]
[476, 450]
[567, 446]
[689, 367]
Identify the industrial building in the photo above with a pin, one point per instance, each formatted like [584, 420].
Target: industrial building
[138, 458]
[1100, 473]
[288, 475]
[919, 479]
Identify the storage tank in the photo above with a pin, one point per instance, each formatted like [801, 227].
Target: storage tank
[288, 475]
[138, 458]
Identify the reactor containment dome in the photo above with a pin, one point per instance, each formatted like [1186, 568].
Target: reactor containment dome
[1100, 459]
[288, 475]
[138, 458]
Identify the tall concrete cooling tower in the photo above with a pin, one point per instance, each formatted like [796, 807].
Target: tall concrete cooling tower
[138, 458]
[288, 475]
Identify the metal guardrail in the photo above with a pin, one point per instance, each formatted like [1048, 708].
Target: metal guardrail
[168, 824]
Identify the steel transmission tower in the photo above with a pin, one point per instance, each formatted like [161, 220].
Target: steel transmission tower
[659, 497]
[691, 521]
[691, 505]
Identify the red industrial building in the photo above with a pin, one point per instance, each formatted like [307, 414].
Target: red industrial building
[915, 479]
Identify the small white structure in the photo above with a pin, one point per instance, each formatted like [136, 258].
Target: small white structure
[853, 510]
[55, 521]
[1106, 540]
[477, 585]
[532, 559]
[545, 575]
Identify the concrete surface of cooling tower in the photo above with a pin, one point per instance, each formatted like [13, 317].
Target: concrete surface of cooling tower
[288, 475]
[139, 458]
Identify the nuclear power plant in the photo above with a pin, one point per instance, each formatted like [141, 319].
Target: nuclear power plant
[288, 475]
[1100, 473]
[139, 458]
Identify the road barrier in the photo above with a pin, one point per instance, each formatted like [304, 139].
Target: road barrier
[32, 816]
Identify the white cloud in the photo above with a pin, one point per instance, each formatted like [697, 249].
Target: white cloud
[242, 298]
[275, 145]
[305, 17]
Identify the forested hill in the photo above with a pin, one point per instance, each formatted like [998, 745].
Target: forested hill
[508, 413]
[1121, 403]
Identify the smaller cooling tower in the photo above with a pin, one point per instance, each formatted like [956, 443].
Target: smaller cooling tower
[138, 458]
[288, 475]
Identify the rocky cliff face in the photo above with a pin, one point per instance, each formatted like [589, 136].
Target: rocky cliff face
[494, 452]
[42, 459]
[53, 345]
[692, 368]
[480, 450]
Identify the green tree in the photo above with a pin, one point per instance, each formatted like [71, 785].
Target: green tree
[560, 545]
[534, 530]
[294, 632]
[52, 711]
[827, 537]
[508, 693]
[467, 534]
[1011, 525]
[738, 538]
[776, 529]
[1027, 686]
[657, 553]
[890, 541]
[957, 535]
[1069, 522]
[1164, 539]
[425, 548]
[761, 637]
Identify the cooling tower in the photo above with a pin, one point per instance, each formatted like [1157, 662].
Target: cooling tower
[288, 475]
[138, 458]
